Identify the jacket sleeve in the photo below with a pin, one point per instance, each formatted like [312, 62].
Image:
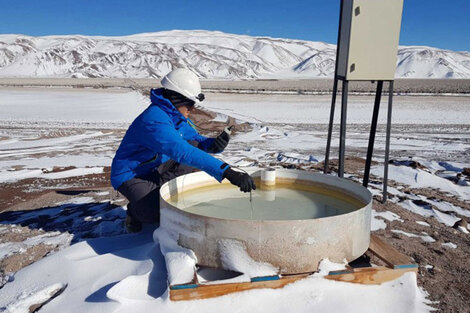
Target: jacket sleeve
[161, 137]
[189, 133]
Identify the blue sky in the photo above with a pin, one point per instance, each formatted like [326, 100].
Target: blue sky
[437, 23]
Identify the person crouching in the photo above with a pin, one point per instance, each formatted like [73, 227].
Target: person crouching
[162, 144]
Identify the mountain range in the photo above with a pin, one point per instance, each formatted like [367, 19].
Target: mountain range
[211, 54]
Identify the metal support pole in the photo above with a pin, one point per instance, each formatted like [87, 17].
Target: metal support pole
[330, 126]
[335, 90]
[373, 129]
[387, 140]
[342, 140]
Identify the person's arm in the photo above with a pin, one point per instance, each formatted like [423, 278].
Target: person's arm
[162, 137]
[189, 133]
[211, 145]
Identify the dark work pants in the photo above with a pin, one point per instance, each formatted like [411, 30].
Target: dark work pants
[143, 193]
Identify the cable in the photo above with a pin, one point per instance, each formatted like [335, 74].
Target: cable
[251, 206]
[205, 129]
[251, 192]
[199, 127]
[252, 209]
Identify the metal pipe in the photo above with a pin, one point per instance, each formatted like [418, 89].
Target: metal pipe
[373, 130]
[342, 141]
[387, 141]
[330, 126]
[335, 90]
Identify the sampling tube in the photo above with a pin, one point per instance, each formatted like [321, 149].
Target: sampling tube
[268, 184]
[268, 178]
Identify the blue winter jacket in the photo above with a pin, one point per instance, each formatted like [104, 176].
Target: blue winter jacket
[159, 134]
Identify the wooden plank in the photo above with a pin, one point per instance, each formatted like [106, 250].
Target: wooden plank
[369, 275]
[388, 254]
[216, 290]
[398, 265]
[365, 275]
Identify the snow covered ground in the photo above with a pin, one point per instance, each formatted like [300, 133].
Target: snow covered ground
[285, 109]
[106, 108]
[47, 128]
[43, 128]
[127, 274]
[50, 134]
[294, 127]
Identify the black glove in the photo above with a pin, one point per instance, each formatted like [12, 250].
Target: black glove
[240, 179]
[219, 144]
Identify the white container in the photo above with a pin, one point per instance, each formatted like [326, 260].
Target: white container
[268, 178]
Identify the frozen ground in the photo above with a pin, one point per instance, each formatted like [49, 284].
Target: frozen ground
[436, 128]
[61, 141]
[104, 108]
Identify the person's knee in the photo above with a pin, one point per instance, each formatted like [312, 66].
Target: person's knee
[147, 209]
[136, 189]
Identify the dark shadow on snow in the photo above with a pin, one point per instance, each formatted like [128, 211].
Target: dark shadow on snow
[158, 278]
[98, 224]
[100, 294]
[83, 221]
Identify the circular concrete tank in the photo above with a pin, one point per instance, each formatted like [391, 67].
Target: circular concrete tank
[293, 245]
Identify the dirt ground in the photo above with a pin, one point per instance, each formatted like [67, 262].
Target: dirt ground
[448, 279]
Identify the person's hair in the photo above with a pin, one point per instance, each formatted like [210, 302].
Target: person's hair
[176, 98]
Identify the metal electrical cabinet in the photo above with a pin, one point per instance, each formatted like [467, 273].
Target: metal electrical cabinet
[367, 49]
[368, 39]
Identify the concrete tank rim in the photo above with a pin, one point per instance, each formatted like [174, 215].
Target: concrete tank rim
[275, 222]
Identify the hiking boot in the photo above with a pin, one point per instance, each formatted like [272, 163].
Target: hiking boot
[132, 225]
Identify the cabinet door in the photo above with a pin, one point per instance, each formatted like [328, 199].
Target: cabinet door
[373, 42]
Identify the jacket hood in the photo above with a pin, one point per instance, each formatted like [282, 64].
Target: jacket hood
[156, 97]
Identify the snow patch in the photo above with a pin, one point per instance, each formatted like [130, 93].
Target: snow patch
[132, 289]
[180, 262]
[463, 229]
[326, 266]
[425, 237]
[234, 257]
[102, 193]
[51, 238]
[15, 175]
[377, 223]
[77, 200]
[449, 245]
[33, 297]
[417, 178]
[428, 211]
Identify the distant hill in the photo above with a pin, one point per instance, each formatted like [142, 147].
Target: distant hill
[213, 55]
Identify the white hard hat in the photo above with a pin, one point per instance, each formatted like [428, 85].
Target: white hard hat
[185, 82]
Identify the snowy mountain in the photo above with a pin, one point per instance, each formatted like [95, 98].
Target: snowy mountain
[213, 55]
[426, 62]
